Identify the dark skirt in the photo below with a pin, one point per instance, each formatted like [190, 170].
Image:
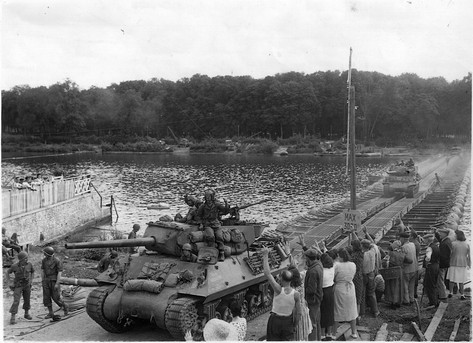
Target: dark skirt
[326, 308]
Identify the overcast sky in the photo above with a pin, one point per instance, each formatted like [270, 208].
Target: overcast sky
[99, 42]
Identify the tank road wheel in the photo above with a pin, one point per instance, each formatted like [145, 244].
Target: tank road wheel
[252, 304]
[180, 316]
[244, 309]
[94, 308]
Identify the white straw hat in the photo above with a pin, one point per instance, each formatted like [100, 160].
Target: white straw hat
[219, 330]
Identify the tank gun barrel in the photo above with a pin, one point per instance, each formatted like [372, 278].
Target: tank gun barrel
[242, 207]
[118, 243]
[78, 282]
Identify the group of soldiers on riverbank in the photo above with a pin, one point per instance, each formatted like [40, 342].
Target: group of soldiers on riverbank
[23, 270]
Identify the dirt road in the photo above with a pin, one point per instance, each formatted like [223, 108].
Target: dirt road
[79, 327]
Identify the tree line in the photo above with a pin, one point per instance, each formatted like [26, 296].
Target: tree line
[390, 107]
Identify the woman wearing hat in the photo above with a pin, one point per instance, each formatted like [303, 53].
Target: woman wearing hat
[393, 290]
[216, 330]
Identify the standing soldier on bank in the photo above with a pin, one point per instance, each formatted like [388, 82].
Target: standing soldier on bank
[132, 235]
[51, 269]
[21, 285]
[208, 214]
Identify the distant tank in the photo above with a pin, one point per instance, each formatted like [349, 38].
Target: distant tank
[156, 285]
[402, 179]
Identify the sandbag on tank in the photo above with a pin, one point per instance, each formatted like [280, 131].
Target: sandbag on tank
[196, 236]
[155, 271]
[150, 286]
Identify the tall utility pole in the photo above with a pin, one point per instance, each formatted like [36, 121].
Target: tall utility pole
[351, 138]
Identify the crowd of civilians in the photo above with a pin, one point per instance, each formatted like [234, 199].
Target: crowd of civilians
[30, 182]
[342, 285]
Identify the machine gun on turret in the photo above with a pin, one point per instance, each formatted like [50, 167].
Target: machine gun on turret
[234, 212]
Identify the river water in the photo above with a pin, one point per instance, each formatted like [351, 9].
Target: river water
[294, 183]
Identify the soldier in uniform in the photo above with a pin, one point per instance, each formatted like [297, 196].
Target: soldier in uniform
[8, 243]
[51, 269]
[187, 254]
[208, 214]
[106, 261]
[21, 285]
[132, 235]
[191, 216]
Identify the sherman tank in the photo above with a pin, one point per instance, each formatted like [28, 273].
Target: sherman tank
[156, 285]
[402, 179]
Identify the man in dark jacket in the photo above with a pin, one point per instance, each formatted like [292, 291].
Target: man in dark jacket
[431, 265]
[313, 291]
[445, 248]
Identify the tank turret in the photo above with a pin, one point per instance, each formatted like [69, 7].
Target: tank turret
[401, 179]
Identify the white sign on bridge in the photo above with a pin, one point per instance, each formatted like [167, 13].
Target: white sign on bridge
[352, 220]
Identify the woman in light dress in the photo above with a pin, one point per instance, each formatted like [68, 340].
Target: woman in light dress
[304, 327]
[460, 263]
[344, 293]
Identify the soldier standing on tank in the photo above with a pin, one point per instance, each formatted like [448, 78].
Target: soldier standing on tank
[187, 254]
[132, 235]
[51, 269]
[21, 285]
[208, 214]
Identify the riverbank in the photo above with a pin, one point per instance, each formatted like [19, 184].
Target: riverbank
[17, 146]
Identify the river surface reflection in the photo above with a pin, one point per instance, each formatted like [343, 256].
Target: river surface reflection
[294, 183]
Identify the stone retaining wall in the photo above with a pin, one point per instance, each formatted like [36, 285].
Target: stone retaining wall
[58, 219]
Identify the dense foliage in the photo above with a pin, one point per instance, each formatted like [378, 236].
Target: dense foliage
[389, 109]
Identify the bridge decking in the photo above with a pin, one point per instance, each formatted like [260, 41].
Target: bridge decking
[378, 224]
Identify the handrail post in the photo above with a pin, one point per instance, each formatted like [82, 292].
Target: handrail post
[90, 183]
[112, 203]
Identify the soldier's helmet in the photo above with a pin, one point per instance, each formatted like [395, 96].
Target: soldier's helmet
[190, 200]
[136, 227]
[48, 251]
[22, 255]
[187, 246]
[209, 194]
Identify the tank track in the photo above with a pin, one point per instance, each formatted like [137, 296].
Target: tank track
[94, 308]
[180, 316]
[259, 312]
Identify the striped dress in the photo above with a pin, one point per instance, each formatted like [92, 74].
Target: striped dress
[305, 326]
